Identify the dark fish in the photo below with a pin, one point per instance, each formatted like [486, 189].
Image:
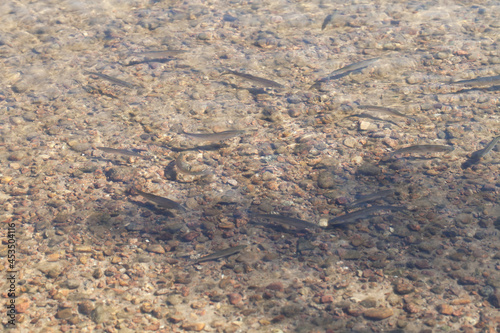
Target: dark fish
[480, 81]
[476, 156]
[361, 214]
[297, 223]
[179, 163]
[358, 66]
[369, 116]
[423, 149]
[120, 151]
[114, 80]
[214, 136]
[327, 20]
[383, 111]
[373, 196]
[222, 253]
[161, 201]
[259, 80]
[158, 54]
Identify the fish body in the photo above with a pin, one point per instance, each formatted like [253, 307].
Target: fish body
[423, 149]
[214, 136]
[373, 196]
[354, 67]
[327, 20]
[481, 81]
[161, 201]
[361, 214]
[369, 116]
[113, 80]
[158, 54]
[120, 151]
[346, 70]
[476, 156]
[480, 153]
[285, 220]
[222, 253]
[256, 79]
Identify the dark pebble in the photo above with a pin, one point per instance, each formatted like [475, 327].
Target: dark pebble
[86, 307]
[326, 179]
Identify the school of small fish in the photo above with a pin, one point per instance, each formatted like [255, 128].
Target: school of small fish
[374, 112]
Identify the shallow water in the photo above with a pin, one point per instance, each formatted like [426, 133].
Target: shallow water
[94, 256]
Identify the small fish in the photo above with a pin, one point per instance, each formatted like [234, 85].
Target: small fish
[476, 156]
[297, 223]
[120, 151]
[114, 80]
[369, 116]
[373, 196]
[179, 163]
[214, 136]
[480, 81]
[222, 253]
[361, 214]
[161, 201]
[355, 67]
[327, 20]
[259, 80]
[423, 149]
[158, 54]
[383, 111]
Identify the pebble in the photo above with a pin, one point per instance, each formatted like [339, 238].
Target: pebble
[276, 286]
[83, 248]
[16, 156]
[494, 299]
[378, 313]
[72, 284]
[445, 309]
[86, 307]
[326, 180]
[64, 314]
[156, 248]
[350, 142]
[326, 299]
[404, 288]
[99, 315]
[234, 298]
[193, 326]
[363, 126]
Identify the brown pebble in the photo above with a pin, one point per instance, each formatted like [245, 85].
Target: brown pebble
[176, 318]
[86, 307]
[64, 314]
[445, 309]
[277, 286]
[468, 280]
[326, 299]
[460, 301]
[193, 327]
[146, 308]
[17, 156]
[190, 236]
[156, 248]
[404, 288]
[23, 305]
[378, 313]
[83, 248]
[234, 298]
